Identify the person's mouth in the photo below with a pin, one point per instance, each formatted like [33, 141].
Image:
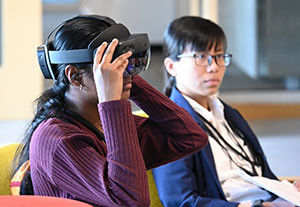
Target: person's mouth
[212, 81]
[127, 84]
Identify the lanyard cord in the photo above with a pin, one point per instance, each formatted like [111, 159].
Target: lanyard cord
[233, 136]
[257, 157]
[244, 156]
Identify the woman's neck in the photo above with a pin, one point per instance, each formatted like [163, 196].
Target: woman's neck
[85, 109]
[202, 100]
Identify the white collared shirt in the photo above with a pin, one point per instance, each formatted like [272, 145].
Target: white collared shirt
[235, 188]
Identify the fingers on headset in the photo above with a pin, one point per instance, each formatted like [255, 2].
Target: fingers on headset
[124, 65]
[123, 57]
[122, 60]
[100, 52]
[110, 50]
[104, 54]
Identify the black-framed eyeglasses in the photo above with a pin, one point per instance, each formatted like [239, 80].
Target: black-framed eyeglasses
[206, 59]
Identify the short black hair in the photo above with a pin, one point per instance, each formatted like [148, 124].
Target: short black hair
[198, 33]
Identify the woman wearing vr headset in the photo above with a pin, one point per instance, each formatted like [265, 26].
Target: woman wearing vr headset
[195, 61]
[84, 143]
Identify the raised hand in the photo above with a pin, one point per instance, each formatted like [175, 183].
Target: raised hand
[108, 76]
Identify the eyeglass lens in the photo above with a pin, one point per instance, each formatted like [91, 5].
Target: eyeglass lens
[205, 60]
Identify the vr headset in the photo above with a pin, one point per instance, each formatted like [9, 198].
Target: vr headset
[137, 43]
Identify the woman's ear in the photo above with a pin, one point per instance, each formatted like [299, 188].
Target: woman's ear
[73, 75]
[170, 66]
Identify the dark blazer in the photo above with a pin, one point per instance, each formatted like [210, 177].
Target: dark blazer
[193, 180]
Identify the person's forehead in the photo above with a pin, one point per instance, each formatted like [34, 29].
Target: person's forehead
[208, 50]
[216, 45]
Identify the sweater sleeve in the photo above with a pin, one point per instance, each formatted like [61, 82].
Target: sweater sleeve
[170, 132]
[116, 179]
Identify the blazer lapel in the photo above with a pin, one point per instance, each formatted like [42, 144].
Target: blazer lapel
[207, 155]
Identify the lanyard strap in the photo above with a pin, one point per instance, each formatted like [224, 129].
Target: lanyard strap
[220, 137]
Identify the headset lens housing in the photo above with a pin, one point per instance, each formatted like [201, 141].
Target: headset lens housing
[138, 62]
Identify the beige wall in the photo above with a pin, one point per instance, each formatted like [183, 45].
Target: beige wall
[210, 9]
[20, 78]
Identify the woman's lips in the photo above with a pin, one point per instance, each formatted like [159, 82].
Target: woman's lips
[212, 81]
[127, 84]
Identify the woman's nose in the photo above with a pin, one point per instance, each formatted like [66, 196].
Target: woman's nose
[212, 66]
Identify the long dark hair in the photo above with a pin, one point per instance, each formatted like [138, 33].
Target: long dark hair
[75, 33]
[198, 33]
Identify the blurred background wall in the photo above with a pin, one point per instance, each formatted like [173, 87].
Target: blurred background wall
[20, 79]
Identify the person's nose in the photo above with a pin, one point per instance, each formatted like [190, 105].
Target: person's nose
[212, 66]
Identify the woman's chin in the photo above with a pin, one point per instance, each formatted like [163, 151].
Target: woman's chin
[125, 94]
[212, 91]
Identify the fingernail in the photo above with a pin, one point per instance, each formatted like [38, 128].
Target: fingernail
[104, 43]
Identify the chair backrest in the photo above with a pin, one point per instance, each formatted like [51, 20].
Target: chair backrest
[155, 202]
[7, 153]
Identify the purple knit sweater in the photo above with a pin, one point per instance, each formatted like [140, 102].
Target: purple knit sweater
[68, 160]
